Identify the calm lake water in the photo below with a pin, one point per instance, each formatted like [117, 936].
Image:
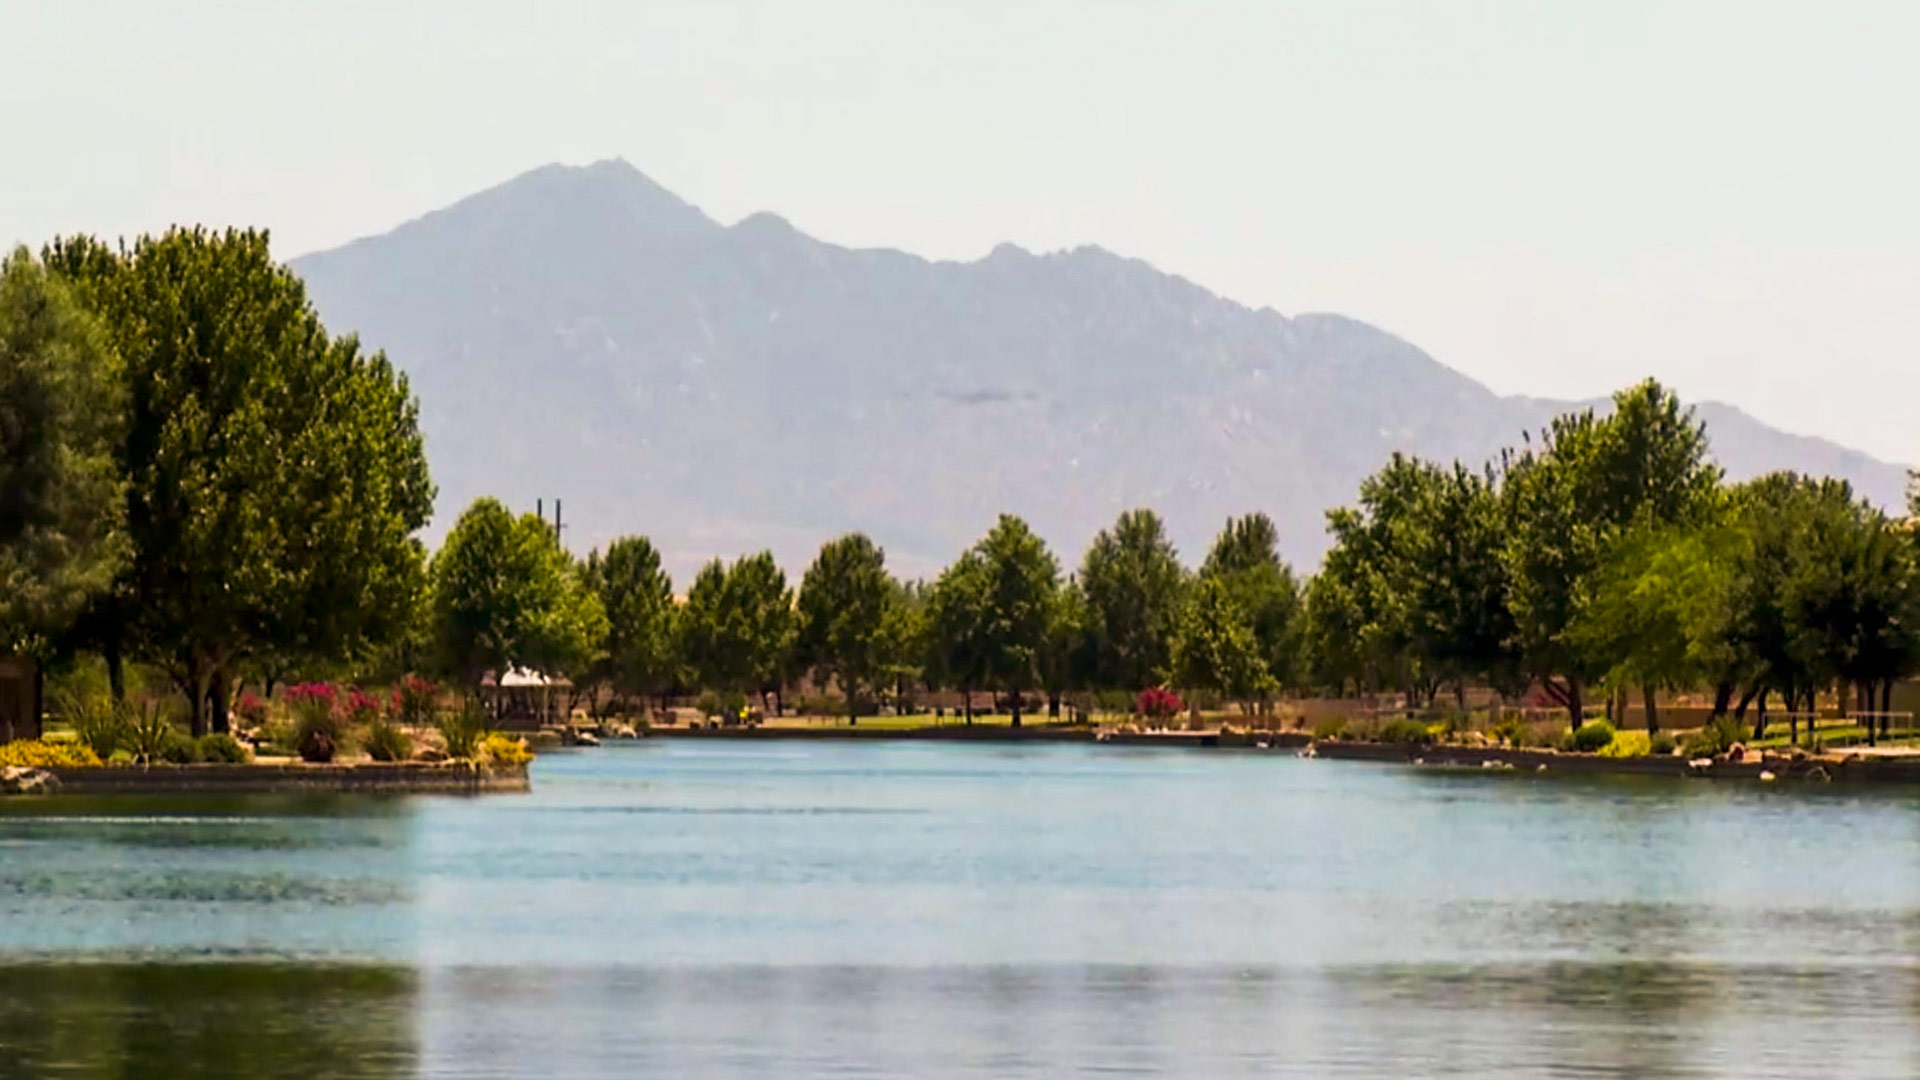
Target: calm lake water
[680, 909]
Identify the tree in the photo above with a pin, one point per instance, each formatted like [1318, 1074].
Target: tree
[958, 622]
[275, 473]
[1019, 580]
[737, 629]
[637, 596]
[1246, 560]
[1132, 579]
[1589, 484]
[506, 595]
[61, 511]
[844, 600]
[1215, 647]
[905, 639]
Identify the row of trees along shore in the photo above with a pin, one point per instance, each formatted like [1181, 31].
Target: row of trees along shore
[200, 479]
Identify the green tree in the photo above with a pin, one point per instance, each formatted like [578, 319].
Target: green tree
[1246, 559]
[1020, 579]
[1589, 484]
[1132, 579]
[904, 642]
[737, 629]
[1215, 647]
[506, 595]
[958, 628]
[61, 510]
[844, 600]
[276, 475]
[637, 596]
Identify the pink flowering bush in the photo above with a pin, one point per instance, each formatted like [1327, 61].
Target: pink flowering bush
[413, 700]
[251, 710]
[1159, 703]
[362, 707]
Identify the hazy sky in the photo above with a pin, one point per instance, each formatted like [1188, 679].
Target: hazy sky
[1554, 197]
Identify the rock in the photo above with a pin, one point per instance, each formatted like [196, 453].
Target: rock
[20, 780]
[431, 755]
[585, 738]
[1700, 763]
[1819, 774]
[1766, 776]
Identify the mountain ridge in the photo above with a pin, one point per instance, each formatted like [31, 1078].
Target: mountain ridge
[582, 332]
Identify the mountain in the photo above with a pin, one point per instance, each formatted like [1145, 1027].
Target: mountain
[586, 334]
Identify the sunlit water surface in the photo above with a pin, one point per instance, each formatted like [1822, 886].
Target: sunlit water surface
[755, 910]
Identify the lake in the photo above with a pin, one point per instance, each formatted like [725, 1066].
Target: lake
[839, 909]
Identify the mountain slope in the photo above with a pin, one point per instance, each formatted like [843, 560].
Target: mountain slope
[583, 333]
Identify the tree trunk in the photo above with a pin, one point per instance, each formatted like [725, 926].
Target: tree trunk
[196, 691]
[1460, 694]
[1760, 716]
[116, 668]
[1651, 697]
[1722, 697]
[222, 699]
[1886, 707]
[1053, 705]
[853, 702]
[966, 702]
[36, 724]
[1016, 708]
[1746, 699]
[1576, 708]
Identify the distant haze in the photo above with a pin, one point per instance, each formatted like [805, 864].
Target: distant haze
[1554, 198]
[585, 333]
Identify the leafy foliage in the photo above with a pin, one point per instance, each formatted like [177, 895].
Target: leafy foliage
[845, 597]
[1132, 582]
[386, 741]
[47, 754]
[507, 595]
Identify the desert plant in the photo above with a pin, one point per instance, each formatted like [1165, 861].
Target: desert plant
[180, 749]
[498, 749]
[149, 731]
[1661, 745]
[317, 745]
[1591, 737]
[413, 701]
[462, 727]
[1508, 729]
[386, 742]
[95, 721]
[223, 748]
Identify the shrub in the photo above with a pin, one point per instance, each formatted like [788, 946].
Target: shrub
[1406, 732]
[1591, 737]
[149, 731]
[47, 754]
[1158, 703]
[1715, 739]
[1628, 744]
[413, 700]
[1509, 729]
[316, 746]
[223, 748]
[96, 721]
[180, 749]
[1330, 728]
[361, 708]
[498, 749]
[251, 710]
[1661, 745]
[710, 705]
[315, 705]
[316, 721]
[462, 728]
[386, 742]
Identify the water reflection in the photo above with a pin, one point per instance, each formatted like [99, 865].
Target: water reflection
[207, 1021]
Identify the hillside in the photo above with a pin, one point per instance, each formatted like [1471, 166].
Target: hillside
[584, 333]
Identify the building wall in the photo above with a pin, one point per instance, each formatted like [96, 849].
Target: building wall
[19, 709]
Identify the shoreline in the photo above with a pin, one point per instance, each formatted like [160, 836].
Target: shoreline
[1831, 767]
[382, 778]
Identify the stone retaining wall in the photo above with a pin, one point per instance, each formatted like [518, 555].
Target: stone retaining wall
[458, 778]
